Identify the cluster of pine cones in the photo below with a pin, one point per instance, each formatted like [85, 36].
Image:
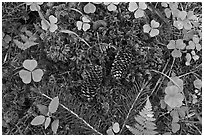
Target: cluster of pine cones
[94, 74]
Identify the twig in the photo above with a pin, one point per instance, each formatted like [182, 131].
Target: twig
[159, 81]
[77, 11]
[132, 106]
[167, 77]
[71, 32]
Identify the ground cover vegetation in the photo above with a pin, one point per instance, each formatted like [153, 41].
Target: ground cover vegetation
[110, 68]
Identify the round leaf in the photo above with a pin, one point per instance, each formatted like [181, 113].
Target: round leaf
[187, 25]
[171, 45]
[7, 38]
[188, 59]
[191, 45]
[175, 127]
[178, 81]
[195, 57]
[182, 15]
[107, 3]
[173, 5]
[52, 19]
[146, 28]
[132, 6]
[164, 4]
[163, 104]
[44, 25]
[37, 75]
[139, 13]
[34, 6]
[154, 24]
[197, 83]
[196, 39]
[116, 127]
[86, 26]
[25, 76]
[30, 64]
[167, 12]
[175, 116]
[112, 7]
[191, 16]
[109, 131]
[53, 105]
[198, 47]
[79, 25]
[53, 27]
[182, 111]
[173, 96]
[154, 32]
[89, 8]
[142, 5]
[55, 125]
[176, 53]
[47, 122]
[38, 120]
[178, 24]
[193, 52]
[85, 19]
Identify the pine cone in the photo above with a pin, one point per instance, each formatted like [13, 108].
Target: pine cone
[121, 64]
[92, 81]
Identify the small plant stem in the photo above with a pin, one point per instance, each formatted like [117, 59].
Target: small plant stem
[193, 72]
[167, 77]
[172, 65]
[132, 106]
[159, 81]
[181, 6]
[77, 11]
[71, 32]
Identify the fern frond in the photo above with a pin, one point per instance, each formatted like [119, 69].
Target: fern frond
[144, 121]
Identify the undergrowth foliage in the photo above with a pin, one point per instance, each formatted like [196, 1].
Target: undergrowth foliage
[144, 121]
[97, 68]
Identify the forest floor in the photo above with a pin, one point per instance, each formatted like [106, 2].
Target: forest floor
[77, 68]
